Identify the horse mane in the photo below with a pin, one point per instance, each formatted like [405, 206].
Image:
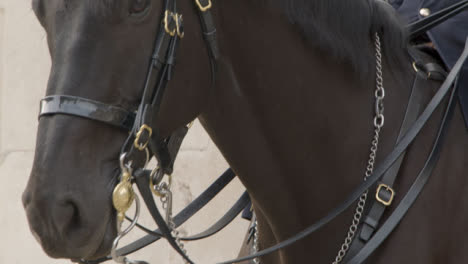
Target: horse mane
[346, 28]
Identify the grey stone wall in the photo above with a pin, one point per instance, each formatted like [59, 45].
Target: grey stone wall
[24, 67]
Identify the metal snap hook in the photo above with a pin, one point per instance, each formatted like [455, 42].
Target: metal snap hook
[155, 181]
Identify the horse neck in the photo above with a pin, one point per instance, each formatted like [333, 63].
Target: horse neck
[294, 124]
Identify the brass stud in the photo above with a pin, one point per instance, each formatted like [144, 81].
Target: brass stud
[424, 12]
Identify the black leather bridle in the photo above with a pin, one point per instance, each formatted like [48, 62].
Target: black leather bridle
[144, 131]
[144, 135]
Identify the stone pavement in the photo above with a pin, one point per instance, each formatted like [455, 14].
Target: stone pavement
[24, 66]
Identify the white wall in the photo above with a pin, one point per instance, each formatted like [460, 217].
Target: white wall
[24, 66]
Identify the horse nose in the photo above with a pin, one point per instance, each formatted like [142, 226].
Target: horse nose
[26, 198]
[54, 221]
[65, 216]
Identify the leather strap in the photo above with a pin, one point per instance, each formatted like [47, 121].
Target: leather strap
[184, 215]
[426, 70]
[159, 72]
[377, 209]
[142, 179]
[421, 26]
[209, 35]
[371, 219]
[235, 210]
[413, 192]
[435, 71]
[208, 28]
[149, 108]
[219, 225]
[399, 149]
[90, 109]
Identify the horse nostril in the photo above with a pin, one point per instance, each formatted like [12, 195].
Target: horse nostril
[66, 217]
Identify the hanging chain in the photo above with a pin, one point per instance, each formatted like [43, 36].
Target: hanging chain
[378, 124]
[255, 242]
[163, 189]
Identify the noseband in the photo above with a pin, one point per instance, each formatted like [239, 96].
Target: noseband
[145, 141]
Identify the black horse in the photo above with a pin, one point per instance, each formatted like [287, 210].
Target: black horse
[292, 112]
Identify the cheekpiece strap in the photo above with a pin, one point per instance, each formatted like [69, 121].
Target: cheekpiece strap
[208, 27]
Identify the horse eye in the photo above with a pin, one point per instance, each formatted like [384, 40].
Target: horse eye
[138, 6]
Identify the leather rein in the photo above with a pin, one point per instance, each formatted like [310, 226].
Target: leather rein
[145, 141]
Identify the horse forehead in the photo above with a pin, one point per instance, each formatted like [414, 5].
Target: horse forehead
[46, 8]
[102, 6]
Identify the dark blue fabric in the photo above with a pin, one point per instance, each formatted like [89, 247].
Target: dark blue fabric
[448, 37]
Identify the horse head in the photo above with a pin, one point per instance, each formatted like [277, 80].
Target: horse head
[101, 51]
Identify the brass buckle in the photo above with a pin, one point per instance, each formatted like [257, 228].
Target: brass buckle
[203, 8]
[142, 146]
[387, 188]
[168, 14]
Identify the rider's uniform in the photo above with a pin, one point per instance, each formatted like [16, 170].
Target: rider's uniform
[448, 37]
